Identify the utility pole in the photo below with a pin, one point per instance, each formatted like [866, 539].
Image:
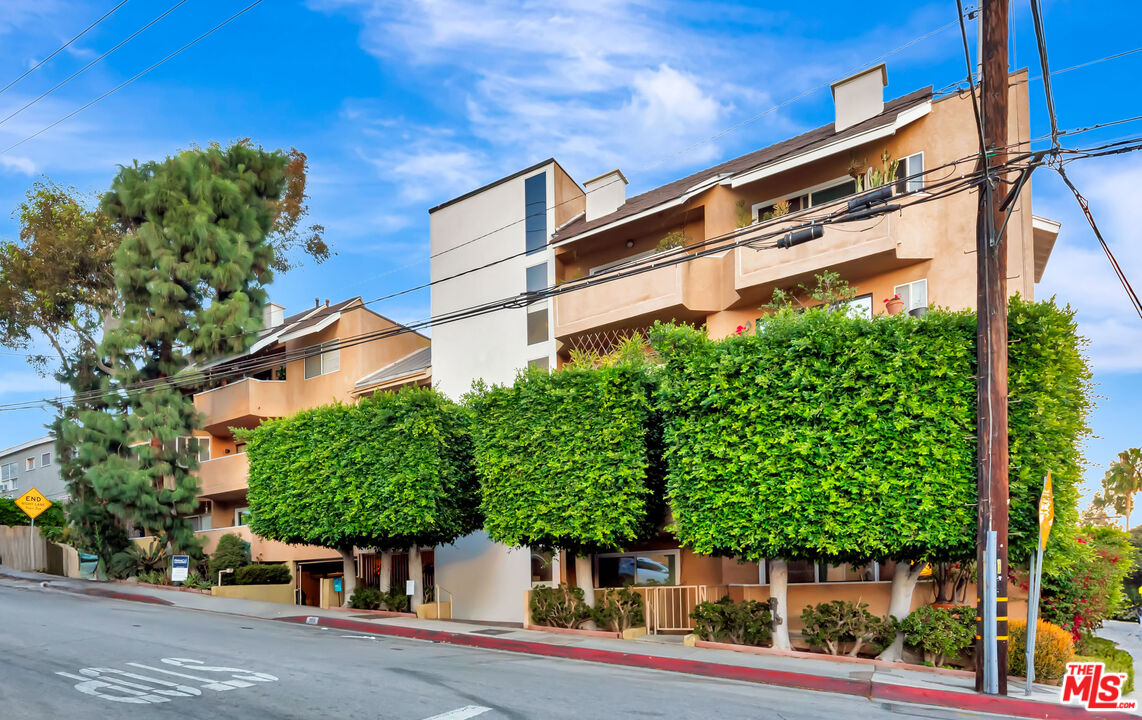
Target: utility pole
[991, 343]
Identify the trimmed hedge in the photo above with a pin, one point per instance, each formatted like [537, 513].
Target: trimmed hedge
[825, 436]
[569, 459]
[392, 471]
[263, 574]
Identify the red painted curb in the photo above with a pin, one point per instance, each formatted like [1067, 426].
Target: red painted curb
[803, 681]
[117, 595]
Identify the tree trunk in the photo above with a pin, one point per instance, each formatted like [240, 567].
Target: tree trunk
[779, 591]
[416, 574]
[584, 577]
[349, 567]
[386, 571]
[900, 605]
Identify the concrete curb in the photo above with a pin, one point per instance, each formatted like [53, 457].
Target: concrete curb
[1012, 707]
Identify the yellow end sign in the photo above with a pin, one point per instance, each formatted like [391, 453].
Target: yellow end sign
[33, 503]
[1046, 512]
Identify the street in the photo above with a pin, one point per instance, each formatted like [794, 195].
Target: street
[67, 656]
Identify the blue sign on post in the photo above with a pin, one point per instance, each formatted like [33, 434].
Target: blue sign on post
[180, 566]
[336, 584]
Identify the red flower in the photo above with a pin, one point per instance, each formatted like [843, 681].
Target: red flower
[741, 329]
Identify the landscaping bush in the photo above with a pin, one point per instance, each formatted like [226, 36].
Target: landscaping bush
[942, 633]
[1054, 648]
[619, 609]
[395, 601]
[1090, 590]
[829, 624]
[137, 560]
[365, 598]
[152, 577]
[745, 623]
[1090, 648]
[263, 574]
[562, 606]
[195, 581]
[232, 553]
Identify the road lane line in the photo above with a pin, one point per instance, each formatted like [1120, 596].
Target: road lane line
[468, 711]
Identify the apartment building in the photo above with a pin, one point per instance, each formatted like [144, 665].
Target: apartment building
[923, 253]
[284, 379]
[30, 465]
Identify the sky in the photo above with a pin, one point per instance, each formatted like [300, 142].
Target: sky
[402, 105]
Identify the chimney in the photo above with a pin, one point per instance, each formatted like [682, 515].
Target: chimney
[272, 315]
[859, 97]
[605, 194]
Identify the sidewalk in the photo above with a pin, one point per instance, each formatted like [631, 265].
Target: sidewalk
[886, 683]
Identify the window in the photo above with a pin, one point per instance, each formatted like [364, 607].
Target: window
[9, 471]
[45, 459]
[822, 194]
[535, 212]
[30, 463]
[241, 516]
[802, 571]
[541, 363]
[328, 361]
[649, 568]
[541, 561]
[860, 306]
[831, 193]
[909, 174]
[537, 278]
[846, 573]
[914, 294]
[198, 523]
[537, 330]
[199, 446]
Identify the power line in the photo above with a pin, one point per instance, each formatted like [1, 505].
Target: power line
[135, 77]
[720, 244]
[83, 69]
[1041, 42]
[61, 48]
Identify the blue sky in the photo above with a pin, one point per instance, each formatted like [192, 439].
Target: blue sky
[401, 105]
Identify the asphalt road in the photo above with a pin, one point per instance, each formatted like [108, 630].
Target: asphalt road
[67, 656]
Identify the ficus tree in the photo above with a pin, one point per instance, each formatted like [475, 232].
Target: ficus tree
[392, 471]
[571, 459]
[833, 438]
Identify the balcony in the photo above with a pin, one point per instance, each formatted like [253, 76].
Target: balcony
[856, 249]
[683, 291]
[262, 550]
[224, 477]
[244, 403]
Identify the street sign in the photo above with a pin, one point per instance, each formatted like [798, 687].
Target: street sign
[33, 503]
[180, 566]
[1046, 512]
[336, 584]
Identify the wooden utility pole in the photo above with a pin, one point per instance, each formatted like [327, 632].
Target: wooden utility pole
[991, 342]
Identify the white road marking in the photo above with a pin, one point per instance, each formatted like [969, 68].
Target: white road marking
[360, 637]
[112, 684]
[468, 711]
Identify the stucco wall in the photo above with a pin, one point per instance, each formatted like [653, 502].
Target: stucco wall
[487, 579]
[283, 594]
[44, 478]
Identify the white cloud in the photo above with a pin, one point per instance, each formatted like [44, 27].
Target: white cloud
[19, 164]
[1078, 271]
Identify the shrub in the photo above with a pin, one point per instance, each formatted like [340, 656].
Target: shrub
[138, 559]
[673, 239]
[1054, 648]
[1090, 590]
[619, 609]
[942, 633]
[152, 577]
[232, 553]
[195, 581]
[395, 601]
[1096, 649]
[829, 624]
[745, 623]
[365, 598]
[263, 574]
[561, 606]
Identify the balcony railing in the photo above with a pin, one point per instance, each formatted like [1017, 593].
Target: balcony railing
[697, 286]
[244, 403]
[224, 475]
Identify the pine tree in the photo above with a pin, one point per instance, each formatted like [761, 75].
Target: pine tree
[189, 274]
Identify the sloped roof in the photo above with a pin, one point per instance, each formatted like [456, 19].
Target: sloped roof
[805, 142]
[413, 362]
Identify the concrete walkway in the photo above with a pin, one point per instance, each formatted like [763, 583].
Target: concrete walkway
[886, 682]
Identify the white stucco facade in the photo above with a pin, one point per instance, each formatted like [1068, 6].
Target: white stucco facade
[487, 579]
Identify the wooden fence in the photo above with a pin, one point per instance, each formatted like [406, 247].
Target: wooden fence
[36, 555]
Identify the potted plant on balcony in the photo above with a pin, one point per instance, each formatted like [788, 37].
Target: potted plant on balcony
[893, 304]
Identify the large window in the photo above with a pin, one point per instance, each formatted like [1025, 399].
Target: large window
[537, 326]
[541, 565]
[537, 278]
[9, 471]
[328, 361]
[199, 446]
[647, 568]
[542, 363]
[535, 209]
[914, 294]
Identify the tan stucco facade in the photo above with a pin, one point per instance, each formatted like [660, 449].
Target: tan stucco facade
[246, 402]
